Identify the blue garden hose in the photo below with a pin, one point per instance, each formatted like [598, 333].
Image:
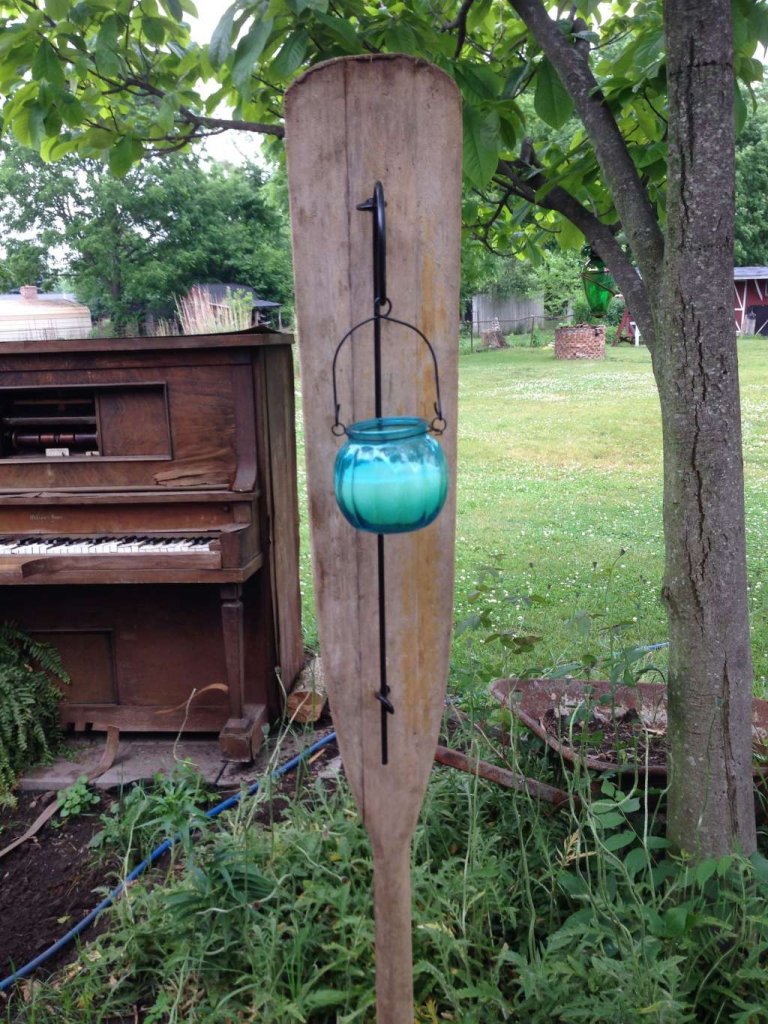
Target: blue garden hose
[158, 852]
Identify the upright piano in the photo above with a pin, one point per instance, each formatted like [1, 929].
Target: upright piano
[149, 526]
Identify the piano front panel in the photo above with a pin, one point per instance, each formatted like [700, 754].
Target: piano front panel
[136, 655]
[163, 427]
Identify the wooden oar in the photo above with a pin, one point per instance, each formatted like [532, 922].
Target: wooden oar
[351, 123]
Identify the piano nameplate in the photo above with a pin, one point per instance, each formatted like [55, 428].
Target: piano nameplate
[94, 520]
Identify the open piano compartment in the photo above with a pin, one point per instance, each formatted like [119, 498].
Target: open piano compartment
[149, 527]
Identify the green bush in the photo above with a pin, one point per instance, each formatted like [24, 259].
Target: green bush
[581, 916]
[29, 698]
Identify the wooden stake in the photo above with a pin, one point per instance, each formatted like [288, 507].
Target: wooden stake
[350, 123]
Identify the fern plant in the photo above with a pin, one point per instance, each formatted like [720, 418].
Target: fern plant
[29, 698]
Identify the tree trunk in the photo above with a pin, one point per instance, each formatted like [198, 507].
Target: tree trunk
[711, 804]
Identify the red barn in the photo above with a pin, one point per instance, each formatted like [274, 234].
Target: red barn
[751, 299]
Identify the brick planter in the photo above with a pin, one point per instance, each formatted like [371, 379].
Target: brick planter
[584, 341]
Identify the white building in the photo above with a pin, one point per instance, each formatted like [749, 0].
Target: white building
[37, 316]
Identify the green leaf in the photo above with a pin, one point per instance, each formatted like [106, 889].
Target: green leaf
[325, 997]
[759, 866]
[47, 66]
[72, 112]
[401, 38]
[724, 865]
[154, 30]
[635, 861]
[551, 101]
[611, 820]
[53, 122]
[97, 138]
[105, 47]
[676, 920]
[477, 80]
[221, 40]
[166, 113]
[573, 885]
[249, 49]
[29, 125]
[343, 31]
[57, 9]
[739, 108]
[705, 870]
[619, 841]
[174, 8]
[107, 37]
[122, 156]
[657, 843]
[54, 148]
[310, 5]
[481, 145]
[514, 80]
[292, 53]
[569, 236]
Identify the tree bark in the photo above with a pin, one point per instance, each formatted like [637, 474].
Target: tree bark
[711, 803]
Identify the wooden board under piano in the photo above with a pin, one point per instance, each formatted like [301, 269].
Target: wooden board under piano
[149, 526]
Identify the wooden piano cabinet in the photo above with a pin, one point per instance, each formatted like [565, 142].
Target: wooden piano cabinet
[173, 438]
[156, 658]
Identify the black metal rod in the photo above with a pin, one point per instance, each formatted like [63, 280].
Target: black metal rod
[383, 694]
[376, 206]
[377, 360]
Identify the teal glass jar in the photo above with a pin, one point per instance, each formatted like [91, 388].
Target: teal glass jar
[390, 475]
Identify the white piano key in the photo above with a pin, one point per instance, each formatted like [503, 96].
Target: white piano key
[123, 545]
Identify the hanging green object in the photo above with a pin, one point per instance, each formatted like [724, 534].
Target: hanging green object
[599, 286]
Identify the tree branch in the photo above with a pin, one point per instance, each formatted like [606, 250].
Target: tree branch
[223, 123]
[631, 199]
[200, 121]
[459, 22]
[529, 183]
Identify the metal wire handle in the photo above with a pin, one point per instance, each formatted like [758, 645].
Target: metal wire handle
[438, 423]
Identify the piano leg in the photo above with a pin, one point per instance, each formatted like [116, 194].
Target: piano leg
[242, 734]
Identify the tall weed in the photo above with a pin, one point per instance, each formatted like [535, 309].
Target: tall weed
[521, 913]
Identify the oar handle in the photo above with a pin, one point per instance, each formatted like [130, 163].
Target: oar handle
[394, 956]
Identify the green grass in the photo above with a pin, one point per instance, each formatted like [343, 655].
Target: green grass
[520, 913]
[559, 488]
[559, 501]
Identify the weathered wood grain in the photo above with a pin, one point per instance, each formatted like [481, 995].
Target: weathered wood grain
[276, 412]
[349, 123]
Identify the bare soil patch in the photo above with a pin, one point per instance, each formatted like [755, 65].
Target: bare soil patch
[47, 884]
[619, 738]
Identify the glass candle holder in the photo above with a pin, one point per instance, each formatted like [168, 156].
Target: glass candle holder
[390, 475]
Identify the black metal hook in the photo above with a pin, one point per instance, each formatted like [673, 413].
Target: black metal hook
[376, 205]
[438, 424]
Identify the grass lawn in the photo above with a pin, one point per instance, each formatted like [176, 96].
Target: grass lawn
[559, 533]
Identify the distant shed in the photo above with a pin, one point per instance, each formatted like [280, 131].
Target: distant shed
[221, 296]
[751, 299]
[29, 315]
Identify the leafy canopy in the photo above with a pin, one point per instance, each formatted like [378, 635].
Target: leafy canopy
[115, 79]
[128, 247]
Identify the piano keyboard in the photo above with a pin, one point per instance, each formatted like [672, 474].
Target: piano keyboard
[132, 545]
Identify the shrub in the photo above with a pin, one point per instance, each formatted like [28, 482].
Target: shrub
[29, 698]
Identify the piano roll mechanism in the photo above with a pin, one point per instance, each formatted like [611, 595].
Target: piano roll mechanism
[149, 527]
